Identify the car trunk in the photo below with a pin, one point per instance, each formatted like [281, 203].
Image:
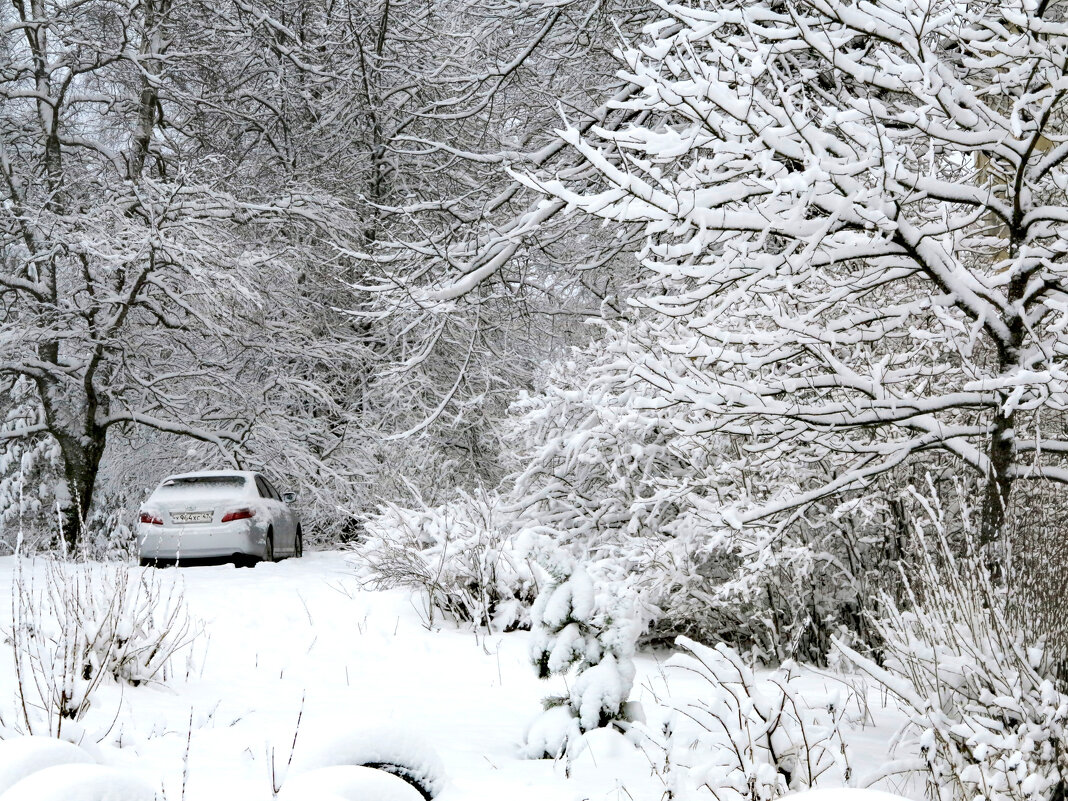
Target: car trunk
[200, 499]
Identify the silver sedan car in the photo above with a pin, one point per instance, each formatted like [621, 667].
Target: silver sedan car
[218, 513]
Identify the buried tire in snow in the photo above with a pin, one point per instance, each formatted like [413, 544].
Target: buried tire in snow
[21, 756]
[388, 749]
[348, 783]
[80, 782]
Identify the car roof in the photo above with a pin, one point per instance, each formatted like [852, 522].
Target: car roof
[246, 474]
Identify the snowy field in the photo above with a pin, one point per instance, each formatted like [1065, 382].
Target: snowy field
[300, 638]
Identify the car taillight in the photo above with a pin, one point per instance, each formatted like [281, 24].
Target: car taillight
[238, 514]
[151, 519]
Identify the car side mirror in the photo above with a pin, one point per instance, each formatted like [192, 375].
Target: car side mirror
[289, 497]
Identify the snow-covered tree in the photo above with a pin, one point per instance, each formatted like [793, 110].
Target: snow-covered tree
[463, 291]
[627, 487]
[151, 244]
[856, 222]
[578, 626]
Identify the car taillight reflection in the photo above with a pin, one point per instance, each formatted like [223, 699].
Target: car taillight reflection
[151, 519]
[238, 514]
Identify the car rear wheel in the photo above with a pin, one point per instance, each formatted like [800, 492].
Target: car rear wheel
[268, 547]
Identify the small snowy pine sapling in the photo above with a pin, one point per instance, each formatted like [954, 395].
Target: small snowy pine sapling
[576, 630]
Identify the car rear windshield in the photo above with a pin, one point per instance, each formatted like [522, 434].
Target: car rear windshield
[205, 487]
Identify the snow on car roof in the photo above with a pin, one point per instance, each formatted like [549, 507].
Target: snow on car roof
[246, 474]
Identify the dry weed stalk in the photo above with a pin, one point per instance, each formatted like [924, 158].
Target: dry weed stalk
[77, 625]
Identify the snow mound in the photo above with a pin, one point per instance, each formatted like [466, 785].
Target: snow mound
[548, 735]
[601, 744]
[79, 782]
[21, 756]
[388, 749]
[836, 794]
[348, 783]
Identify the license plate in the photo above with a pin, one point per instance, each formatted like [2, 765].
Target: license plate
[191, 517]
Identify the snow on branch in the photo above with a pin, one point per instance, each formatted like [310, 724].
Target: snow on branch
[856, 228]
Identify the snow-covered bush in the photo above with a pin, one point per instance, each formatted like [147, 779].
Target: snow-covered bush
[1038, 540]
[745, 738]
[586, 631]
[29, 469]
[634, 484]
[78, 625]
[986, 718]
[461, 554]
[110, 532]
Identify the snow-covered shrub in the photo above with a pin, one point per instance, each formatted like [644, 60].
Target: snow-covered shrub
[746, 738]
[461, 554]
[1038, 539]
[81, 624]
[30, 468]
[635, 484]
[108, 535]
[986, 719]
[586, 631]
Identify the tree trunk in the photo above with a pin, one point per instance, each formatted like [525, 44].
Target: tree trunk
[1002, 451]
[998, 481]
[71, 420]
[81, 464]
[151, 44]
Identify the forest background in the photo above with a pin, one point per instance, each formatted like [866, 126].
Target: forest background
[723, 299]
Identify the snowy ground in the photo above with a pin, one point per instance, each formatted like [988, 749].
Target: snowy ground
[301, 635]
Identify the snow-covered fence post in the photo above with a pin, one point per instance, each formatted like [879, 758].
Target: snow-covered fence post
[576, 629]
